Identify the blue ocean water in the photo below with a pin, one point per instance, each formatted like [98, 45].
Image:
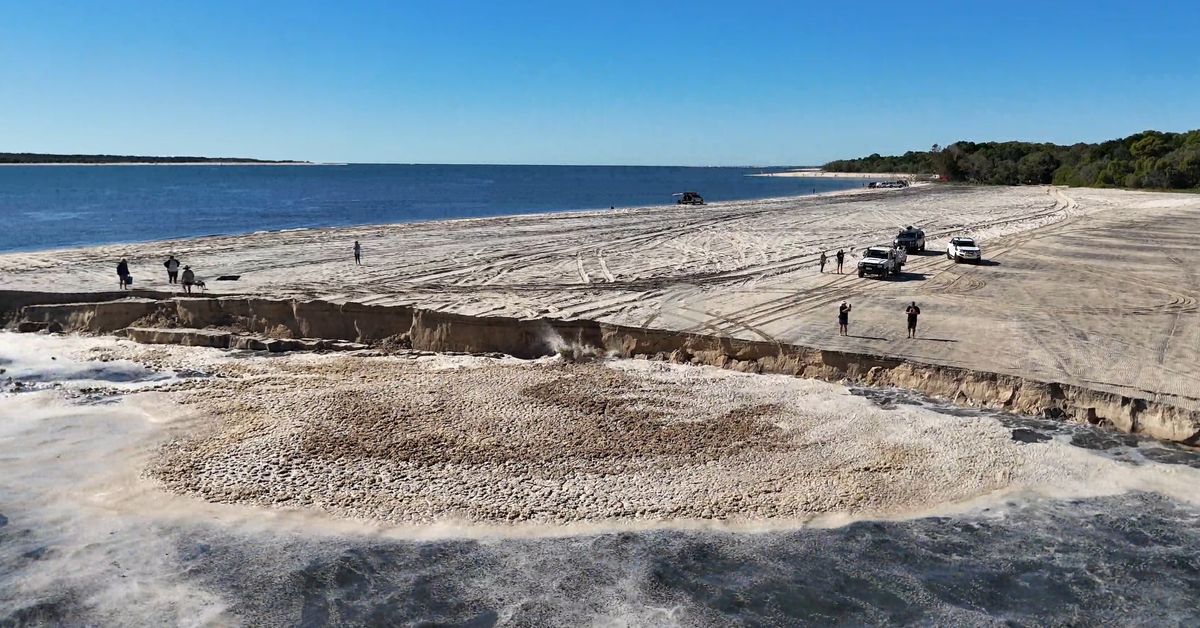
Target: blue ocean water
[50, 207]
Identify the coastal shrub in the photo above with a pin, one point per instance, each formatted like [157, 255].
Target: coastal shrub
[1150, 159]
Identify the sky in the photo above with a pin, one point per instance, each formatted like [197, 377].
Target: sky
[566, 82]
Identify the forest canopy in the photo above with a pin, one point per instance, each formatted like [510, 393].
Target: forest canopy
[1150, 159]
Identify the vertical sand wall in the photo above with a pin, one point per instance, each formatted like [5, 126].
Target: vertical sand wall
[441, 331]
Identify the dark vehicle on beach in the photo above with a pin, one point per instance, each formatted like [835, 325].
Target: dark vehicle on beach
[910, 239]
[688, 198]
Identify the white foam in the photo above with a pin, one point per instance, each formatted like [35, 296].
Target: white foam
[72, 477]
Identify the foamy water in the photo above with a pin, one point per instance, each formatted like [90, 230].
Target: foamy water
[84, 539]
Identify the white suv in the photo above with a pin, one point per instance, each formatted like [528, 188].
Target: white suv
[879, 261]
[963, 250]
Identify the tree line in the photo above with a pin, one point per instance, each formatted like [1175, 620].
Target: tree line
[43, 158]
[1150, 159]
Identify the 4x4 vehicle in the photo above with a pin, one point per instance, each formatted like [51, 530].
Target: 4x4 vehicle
[963, 250]
[879, 261]
[688, 198]
[911, 239]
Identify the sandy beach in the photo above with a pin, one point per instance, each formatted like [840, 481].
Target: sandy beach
[1071, 278]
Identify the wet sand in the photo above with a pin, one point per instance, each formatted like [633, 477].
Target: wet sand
[186, 485]
[423, 439]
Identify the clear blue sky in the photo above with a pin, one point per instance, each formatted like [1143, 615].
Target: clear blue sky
[613, 82]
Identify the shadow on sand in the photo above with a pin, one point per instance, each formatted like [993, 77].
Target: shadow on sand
[904, 275]
[982, 262]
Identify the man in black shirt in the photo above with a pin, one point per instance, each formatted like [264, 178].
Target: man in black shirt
[913, 312]
[123, 273]
[844, 319]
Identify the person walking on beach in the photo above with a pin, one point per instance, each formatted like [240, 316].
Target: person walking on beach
[357, 253]
[840, 256]
[172, 265]
[189, 278]
[123, 273]
[844, 319]
[824, 259]
[913, 312]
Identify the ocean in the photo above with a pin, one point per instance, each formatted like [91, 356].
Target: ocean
[65, 206]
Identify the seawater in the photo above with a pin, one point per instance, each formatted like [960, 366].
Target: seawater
[60, 206]
[80, 544]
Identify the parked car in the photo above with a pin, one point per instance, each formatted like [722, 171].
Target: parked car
[688, 198]
[879, 261]
[911, 239]
[964, 250]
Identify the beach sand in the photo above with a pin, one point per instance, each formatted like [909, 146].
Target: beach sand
[1083, 286]
[167, 484]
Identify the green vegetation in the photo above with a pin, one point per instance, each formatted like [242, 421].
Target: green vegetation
[1144, 160]
[40, 158]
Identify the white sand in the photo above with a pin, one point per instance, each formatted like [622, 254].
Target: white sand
[1092, 287]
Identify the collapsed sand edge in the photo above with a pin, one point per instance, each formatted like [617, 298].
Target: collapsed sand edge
[157, 318]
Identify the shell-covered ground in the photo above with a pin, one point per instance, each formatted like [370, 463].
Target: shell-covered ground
[418, 439]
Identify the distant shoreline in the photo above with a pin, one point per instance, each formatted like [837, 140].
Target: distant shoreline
[817, 173]
[45, 164]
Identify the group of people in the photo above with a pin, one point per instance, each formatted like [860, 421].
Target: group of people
[840, 256]
[912, 312]
[188, 280]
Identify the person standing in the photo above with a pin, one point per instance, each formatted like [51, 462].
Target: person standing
[189, 278]
[913, 312]
[840, 256]
[844, 319]
[357, 253]
[824, 259]
[123, 273]
[172, 265]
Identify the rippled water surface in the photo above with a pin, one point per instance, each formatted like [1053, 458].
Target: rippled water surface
[72, 206]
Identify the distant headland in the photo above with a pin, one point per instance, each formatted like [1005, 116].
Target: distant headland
[45, 159]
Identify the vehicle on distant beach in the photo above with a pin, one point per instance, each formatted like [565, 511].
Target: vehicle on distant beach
[888, 184]
[688, 198]
[880, 261]
[910, 239]
[964, 250]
